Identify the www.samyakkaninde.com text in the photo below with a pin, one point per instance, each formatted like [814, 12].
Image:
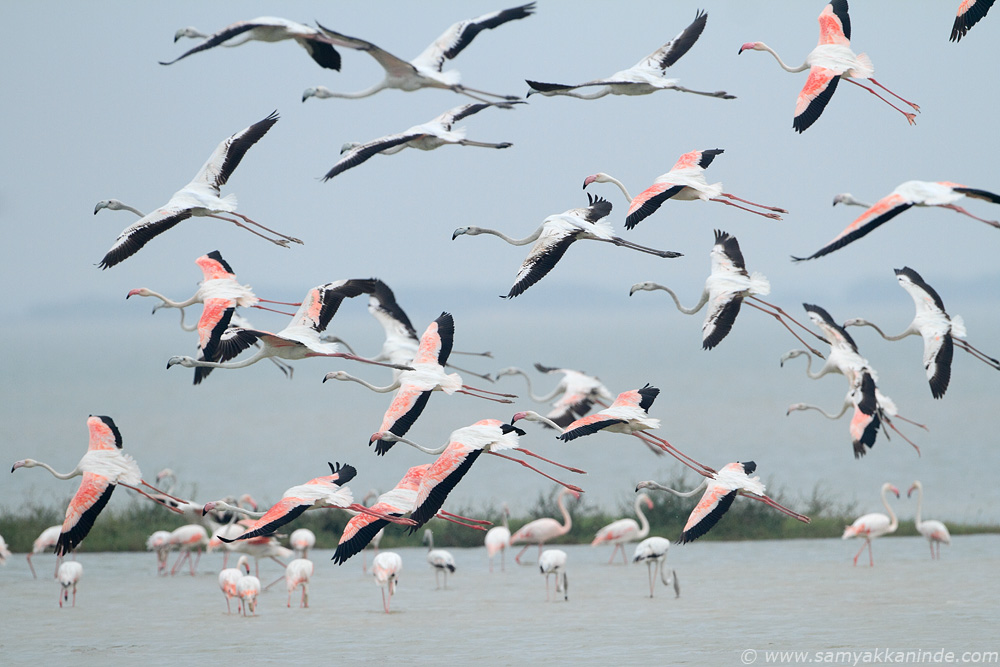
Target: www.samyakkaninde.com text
[881, 656]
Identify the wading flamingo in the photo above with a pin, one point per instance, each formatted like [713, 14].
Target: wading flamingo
[159, 542]
[873, 525]
[192, 537]
[386, 567]
[301, 541]
[625, 530]
[970, 12]
[69, 576]
[935, 531]
[498, 539]
[298, 573]
[248, 590]
[576, 390]
[441, 560]
[545, 529]
[553, 561]
[46, 540]
[653, 551]
[4, 551]
[229, 578]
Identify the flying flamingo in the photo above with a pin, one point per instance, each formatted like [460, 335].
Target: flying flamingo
[721, 489]
[645, 77]
[46, 540]
[298, 340]
[726, 289]
[439, 559]
[385, 568]
[626, 530]
[941, 333]
[906, 195]
[229, 579]
[577, 392]
[545, 529]
[653, 551]
[192, 537]
[298, 573]
[103, 467]
[830, 62]
[301, 541]
[424, 71]
[554, 236]
[869, 410]
[427, 136]
[970, 12]
[200, 197]
[248, 590]
[498, 539]
[159, 542]
[935, 531]
[553, 561]
[69, 576]
[873, 525]
[265, 29]
[415, 385]
[684, 182]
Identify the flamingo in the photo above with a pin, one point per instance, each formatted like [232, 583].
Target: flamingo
[301, 541]
[544, 529]
[103, 467]
[47, 539]
[941, 333]
[298, 340]
[298, 573]
[553, 561]
[4, 551]
[873, 525]
[554, 236]
[577, 392]
[265, 29]
[439, 559]
[69, 576]
[910, 193]
[424, 71]
[229, 579]
[970, 12]
[427, 136]
[653, 550]
[200, 197]
[414, 385]
[116, 205]
[645, 77]
[721, 489]
[248, 590]
[498, 539]
[626, 530]
[192, 537]
[868, 411]
[830, 62]
[684, 182]
[726, 289]
[257, 548]
[159, 542]
[935, 531]
[385, 568]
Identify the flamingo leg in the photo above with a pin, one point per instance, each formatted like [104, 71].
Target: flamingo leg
[860, 550]
[650, 570]
[624, 558]
[385, 603]
[517, 558]
[155, 500]
[641, 248]
[282, 242]
[31, 567]
[460, 523]
[772, 216]
[194, 563]
[911, 118]
[784, 314]
[961, 210]
[379, 515]
[747, 201]
[492, 393]
[894, 94]
[610, 560]
[465, 518]
[699, 468]
[571, 487]
[773, 503]
[279, 562]
[995, 363]
[148, 485]
[276, 581]
[474, 94]
[784, 324]
[488, 398]
[354, 357]
[177, 563]
[530, 453]
[282, 303]
[273, 310]
[889, 423]
[466, 371]
[266, 229]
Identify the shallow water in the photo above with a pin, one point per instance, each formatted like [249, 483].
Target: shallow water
[792, 595]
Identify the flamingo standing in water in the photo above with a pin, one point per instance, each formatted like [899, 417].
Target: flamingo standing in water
[103, 467]
[441, 560]
[970, 12]
[830, 62]
[553, 562]
[873, 525]
[726, 289]
[69, 576]
[653, 551]
[577, 392]
[555, 235]
[684, 182]
[248, 590]
[625, 530]
[46, 540]
[159, 542]
[298, 573]
[645, 77]
[498, 539]
[301, 541]
[424, 71]
[386, 567]
[230, 577]
[192, 537]
[935, 531]
[545, 529]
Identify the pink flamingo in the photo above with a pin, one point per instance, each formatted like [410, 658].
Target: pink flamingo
[192, 537]
[545, 529]
[159, 542]
[970, 12]
[229, 579]
[45, 541]
[623, 531]
[298, 573]
[830, 62]
[577, 392]
[386, 567]
[873, 525]
[248, 590]
[69, 576]
[301, 541]
[935, 531]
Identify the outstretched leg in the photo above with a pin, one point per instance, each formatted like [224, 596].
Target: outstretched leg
[772, 216]
[911, 118]
[747, 201]
[894, 94]
[282, 242]
[959, 209]
[571, 487]
[266, 229]
[778, 317]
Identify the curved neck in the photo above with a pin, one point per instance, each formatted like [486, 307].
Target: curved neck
[503, 520]
[843, 409]
[920, 504]
[893, 522]
[381, 390]
[865, 323]
[531, 392]
[237, 510]
[430, 541]
[392, 437]
[367, 92]
[567, 519]
[643, 521]
[525, 241]
[801, 68]
[621, 186]
[173, 304]
[679, 494]
[687, 311]
[58, 475]
[799, 353]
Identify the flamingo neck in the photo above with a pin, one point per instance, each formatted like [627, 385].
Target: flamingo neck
[801, 68]
[567, 519]
[58, 475]
[525, 241]
[621, 186]
[643, 521]
[687, 311]
[920, 503]
[367, 92]
[380, 390]
[893, 522]
[173, 304]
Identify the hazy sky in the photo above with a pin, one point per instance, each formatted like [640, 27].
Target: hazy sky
[89, 115]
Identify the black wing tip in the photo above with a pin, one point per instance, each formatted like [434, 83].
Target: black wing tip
[346, 471]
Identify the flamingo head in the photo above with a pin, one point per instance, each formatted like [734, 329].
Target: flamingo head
[916, 485]
[640, 287]
[335, 375]
[315, 91]
[209, 507]
[243, 563]
[594, 178]
[647, 501]
[890, 487]
[752, 46]
[461, 230]
[26, 463]
[189, 31]
[793, 407]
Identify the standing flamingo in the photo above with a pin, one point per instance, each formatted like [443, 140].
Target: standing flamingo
[386, 567]
[248, 590]
[229, 579]
[159, 542]
[553, 561]
[830, 62]
[970, 12]
[873, 525]
[726, 289]
[577, 393]
[46, 540]
[498, 539]
[545, 529]
[625, 530]
[684, 182]
[439, 559]
[935, 531]
[301, 541]
[69, 576]
[192, 537]
[298, 573]
[103, 467]
[555, 235]
[645, 77]
[653, 550]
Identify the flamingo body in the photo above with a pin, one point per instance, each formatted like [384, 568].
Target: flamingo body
[69, 576]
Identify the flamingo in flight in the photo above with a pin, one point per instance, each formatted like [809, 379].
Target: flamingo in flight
[935, 531]
[544, 529]
[726, 289]
[941, 332]
[577, 392]
[653, 551]
[200, 197]
[721, 489]
[553, 562]
[555, 235]
[645, 77]
[424, 71]
[385, 568]
[427, 136]
[298, 340]
[69, 576]
[910, 193]
[265, 29]
[830, 62]
[415, 385]
[873, 525]
[684, 182]
[103, 467]
[970, 12]
[622, 531]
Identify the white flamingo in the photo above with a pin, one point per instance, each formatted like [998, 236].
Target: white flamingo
[553, 562]
[935, 531]
[653, 551]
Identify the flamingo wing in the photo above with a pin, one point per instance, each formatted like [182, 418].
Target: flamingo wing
[835, 24]
[104, 433]
[722, 311]
[978, 194]
[589, 424]
[648, 201]
[938, 353]
[866, 419]
[881, 212]
[282, 512]
[217, 38]
[436, 341]
[321, 51]
[970, 12]
[90, 498]
[228, 154]
[671, 52]
[384, 308]
[360, 153]
[542, 258]
[815, 95]
[393, 66]
[460, 35]
[440, 479]
[139, 233]
[321, 303]
[713, 504]
[406, 406]
[358, 533]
